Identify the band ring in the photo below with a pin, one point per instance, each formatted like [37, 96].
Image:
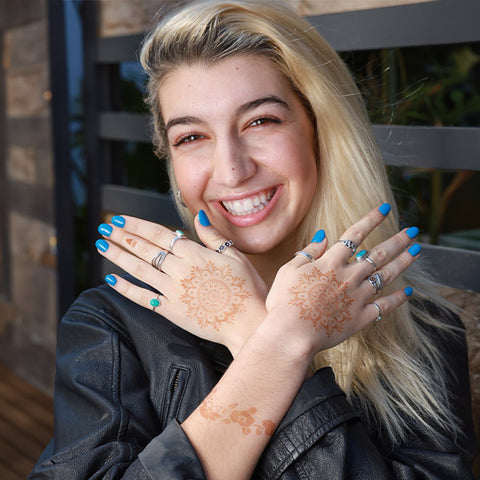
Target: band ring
[304, 254]
[379, 312]
[349, 244]
[155, 302]
[369, 260]
[179, 235]
[158, 259]
[224, 246]
[376, 282]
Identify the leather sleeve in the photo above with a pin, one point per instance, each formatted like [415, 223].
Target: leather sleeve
[322, 437]
[104, 419]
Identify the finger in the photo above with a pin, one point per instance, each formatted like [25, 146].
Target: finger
[390, 248]
[142, 296]
[375, 311]
[131, 264]
[313, 251]
[153, 232]
[357, 233]
[392, 270]
[211, 238]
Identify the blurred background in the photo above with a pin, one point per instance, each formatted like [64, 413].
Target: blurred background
[74, 149]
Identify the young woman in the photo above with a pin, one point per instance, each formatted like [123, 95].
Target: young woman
[286, 342]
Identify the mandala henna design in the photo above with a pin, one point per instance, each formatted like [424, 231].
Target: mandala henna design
[232, 415]
[213, 295]
[323, 300]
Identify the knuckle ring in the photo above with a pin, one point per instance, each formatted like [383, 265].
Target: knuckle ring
[179, 235]
[364, 255]
[349, 244]
[304, 254]
[224, 246]
[379, 312]
[155, 302]
[158, 259]
[376, 282]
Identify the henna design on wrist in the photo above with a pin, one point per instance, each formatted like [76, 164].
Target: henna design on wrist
[232, 415]
[323, 300]
[213, 295]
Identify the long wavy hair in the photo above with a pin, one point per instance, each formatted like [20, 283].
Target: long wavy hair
[393, 372]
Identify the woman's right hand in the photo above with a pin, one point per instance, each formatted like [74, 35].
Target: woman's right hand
[323, 302]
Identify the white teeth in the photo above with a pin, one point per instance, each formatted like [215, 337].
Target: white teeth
[249, 205]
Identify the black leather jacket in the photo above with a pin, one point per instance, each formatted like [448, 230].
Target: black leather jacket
[126, 378]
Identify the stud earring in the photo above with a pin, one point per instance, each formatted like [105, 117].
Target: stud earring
[180, 199]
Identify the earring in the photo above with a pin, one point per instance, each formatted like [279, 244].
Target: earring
[180, 199]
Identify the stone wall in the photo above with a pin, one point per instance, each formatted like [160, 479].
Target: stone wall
[28, 316]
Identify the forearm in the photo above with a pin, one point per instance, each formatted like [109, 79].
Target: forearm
[232, 426]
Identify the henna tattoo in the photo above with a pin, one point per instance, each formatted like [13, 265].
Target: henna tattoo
[213, 295]
[323, 300]
[232, 415]
[131, 242]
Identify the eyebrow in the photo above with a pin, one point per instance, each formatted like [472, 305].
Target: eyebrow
[246, 107]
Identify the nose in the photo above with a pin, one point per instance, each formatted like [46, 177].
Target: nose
[231, 162]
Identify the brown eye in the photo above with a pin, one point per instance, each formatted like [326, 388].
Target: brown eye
[191, 137]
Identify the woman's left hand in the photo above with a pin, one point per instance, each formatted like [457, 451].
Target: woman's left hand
[219, 297]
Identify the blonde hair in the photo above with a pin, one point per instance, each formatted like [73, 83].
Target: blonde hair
[393, 372]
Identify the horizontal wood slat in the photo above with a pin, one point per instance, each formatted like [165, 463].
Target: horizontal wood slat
[430, 23]
[427, 147]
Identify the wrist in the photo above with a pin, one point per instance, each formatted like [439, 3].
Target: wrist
[289, 343]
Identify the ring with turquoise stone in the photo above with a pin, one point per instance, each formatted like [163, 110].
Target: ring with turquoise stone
[179, 234]
[155, 302]
[362, 255]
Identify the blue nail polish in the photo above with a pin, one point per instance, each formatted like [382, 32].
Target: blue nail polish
[110, 279]
[385, 209]
[118, 221]
[408, 291]
[319, 236]
[412, 232]
[414, 249]
[105, 229]
[202, 217]
[102, 245]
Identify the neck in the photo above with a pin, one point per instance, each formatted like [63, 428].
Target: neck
[268, 263]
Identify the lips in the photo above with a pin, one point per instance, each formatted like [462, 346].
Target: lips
[249, 205]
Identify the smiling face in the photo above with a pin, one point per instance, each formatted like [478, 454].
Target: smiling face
[242, 147]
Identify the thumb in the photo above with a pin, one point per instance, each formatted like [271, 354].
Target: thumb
[209, 235]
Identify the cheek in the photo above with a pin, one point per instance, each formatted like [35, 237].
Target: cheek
[190, 181]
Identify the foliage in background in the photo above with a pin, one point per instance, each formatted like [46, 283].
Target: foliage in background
[433, 86]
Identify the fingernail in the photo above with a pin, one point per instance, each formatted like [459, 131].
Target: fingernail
[319, 236]
[118, 221]
[414, 249]
[102, 245]
[203, 219]
[385, 209]
[412, 232]
[110, 279]
[105, 229]
[408, 291]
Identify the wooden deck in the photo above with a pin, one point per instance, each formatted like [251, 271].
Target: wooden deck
[26, 425]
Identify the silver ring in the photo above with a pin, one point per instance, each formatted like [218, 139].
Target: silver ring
[376, 282]
[304, 254]
[179, 234]
[155, 302]
[349, 244]
[364, 255]
[369, 260]
[224, 246]
[158, 259]
[379, 312]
